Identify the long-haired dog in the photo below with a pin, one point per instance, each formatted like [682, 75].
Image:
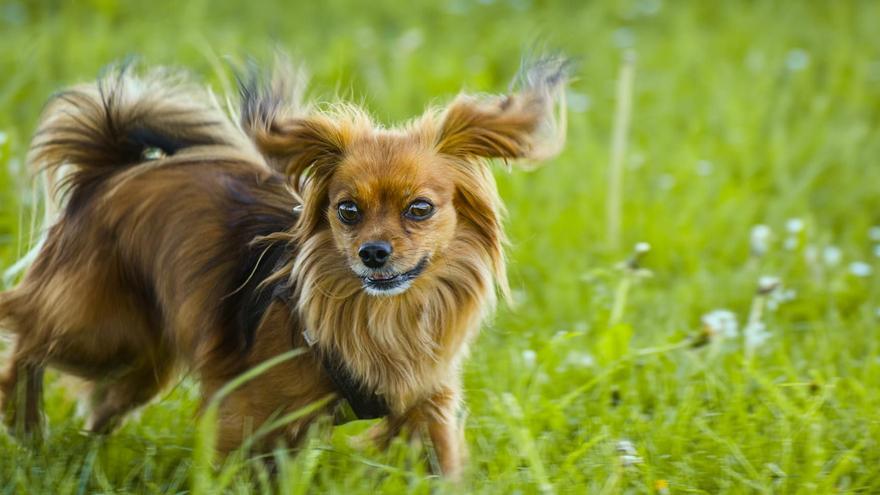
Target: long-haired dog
[185, 241]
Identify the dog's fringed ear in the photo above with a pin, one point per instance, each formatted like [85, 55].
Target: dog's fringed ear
[528, 124]
[295, 140]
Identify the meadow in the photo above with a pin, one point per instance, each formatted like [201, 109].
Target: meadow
[735, 351]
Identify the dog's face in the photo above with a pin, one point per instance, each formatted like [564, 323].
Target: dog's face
[396, 200]
[391, 210]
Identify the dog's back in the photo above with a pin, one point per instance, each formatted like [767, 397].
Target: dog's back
[151, 256]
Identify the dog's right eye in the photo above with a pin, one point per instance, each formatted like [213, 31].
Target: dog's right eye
[348, 212]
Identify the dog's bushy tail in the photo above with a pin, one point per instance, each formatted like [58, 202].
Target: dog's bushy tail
[90, 132]
[269, 101]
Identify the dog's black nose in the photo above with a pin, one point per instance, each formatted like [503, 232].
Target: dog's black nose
[375, 254]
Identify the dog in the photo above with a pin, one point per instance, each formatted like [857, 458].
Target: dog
[187, 240]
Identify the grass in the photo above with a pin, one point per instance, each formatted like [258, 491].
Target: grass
[742, 114]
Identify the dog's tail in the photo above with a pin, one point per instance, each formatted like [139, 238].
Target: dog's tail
[268, 99]
[90, 132]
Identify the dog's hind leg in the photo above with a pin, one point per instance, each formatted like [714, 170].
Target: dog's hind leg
[21, 388]
[112, 400]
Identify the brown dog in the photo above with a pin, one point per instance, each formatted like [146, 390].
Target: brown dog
[185, 241]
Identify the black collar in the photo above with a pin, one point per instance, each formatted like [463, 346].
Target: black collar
[366, 404]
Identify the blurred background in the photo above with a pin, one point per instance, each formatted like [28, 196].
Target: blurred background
[736, 350]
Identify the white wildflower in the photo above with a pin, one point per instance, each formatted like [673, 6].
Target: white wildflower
[780, 296]
[767, 284]
[529, 357]
[832, 255]
[756, 334]
[721, 322]
[642, 247]
[625, 446]
[797, 60]
[791, 243]
[628, 454]
[579, 359]
[3, 138]
[794, 225]
[877, 250]
[860, 269]
[874, 233]
[759, 240]
[785, 295]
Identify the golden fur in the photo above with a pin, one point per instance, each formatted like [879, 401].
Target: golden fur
[156, 262]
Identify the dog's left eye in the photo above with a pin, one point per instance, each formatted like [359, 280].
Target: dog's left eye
[348, 212]
[419, 210]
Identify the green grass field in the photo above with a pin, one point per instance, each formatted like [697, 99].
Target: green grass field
[597, 380]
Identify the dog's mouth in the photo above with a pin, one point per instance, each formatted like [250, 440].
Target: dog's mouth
[390, 283]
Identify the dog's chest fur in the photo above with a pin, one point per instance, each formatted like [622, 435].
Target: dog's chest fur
[403, 347]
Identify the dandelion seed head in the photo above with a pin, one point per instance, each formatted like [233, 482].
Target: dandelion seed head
[579, 359]
[721, 322]
[759, 239]
[832, 255]
[797, 60]
[625, 446]
[529, 357]
[794, 225]
[860, 269]
[756, 335]
[779, 297]
[787, 295]
[768, 283]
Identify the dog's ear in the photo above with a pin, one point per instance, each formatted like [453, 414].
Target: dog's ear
[295, 140]
[302, 147]
[527, 124]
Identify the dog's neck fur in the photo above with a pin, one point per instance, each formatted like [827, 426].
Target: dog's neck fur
[403, 347]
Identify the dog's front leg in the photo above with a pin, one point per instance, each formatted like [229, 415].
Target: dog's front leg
[437, 419]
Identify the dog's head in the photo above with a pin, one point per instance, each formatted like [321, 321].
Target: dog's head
[397, 200]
